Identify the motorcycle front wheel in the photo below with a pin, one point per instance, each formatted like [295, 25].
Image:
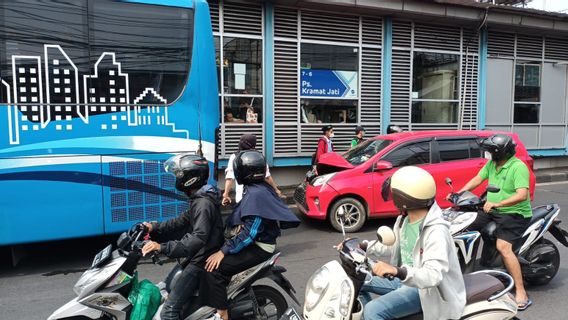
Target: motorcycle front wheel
[271, 303]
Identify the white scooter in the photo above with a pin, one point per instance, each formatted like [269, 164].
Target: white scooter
[538, 256]
[102, 291]
[332, 291]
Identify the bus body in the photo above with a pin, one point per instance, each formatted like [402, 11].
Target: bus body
[94, 96]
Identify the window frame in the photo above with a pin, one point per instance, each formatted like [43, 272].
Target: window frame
[457, 101]
[408, 143]
[359, 62]
[221, 81]
[465, 139]
[522, 62]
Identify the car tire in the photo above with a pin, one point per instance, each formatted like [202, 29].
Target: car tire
[355, 214]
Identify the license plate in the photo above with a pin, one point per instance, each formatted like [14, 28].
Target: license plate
[102, 257]
[291, 314]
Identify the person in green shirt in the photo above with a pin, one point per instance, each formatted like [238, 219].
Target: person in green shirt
[510, 208]
[359, 133]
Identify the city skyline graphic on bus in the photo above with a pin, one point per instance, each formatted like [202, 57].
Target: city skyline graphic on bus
[51, 95]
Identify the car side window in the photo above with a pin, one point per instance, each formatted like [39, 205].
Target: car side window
[410, 154]
[460, 149]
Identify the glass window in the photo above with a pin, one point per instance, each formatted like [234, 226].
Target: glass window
[147, 46]
[527, 93]
[328, 111]
[43, 57]
[329, 83]
[434, 112]
[218, 60]
[451, 150]
[242, 110]
[365, 151]
[474, 149]
[527, 82]
[435, 87]
[242, 65]
[412, 154]
[526, 113]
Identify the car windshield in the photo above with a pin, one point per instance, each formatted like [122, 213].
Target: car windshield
[365, 151]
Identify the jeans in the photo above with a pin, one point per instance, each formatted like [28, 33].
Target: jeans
[396, 300]
[186, 285]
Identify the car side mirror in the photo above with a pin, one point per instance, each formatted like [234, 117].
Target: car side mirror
[382, 165]
[493, 189]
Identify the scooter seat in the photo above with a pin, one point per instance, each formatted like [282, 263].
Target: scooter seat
[541, 212]
[480, 286]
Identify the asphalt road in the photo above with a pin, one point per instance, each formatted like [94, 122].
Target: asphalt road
[44, 280]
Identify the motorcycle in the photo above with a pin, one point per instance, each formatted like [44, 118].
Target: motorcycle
[102, 291]
[332, 291]
[539, 257]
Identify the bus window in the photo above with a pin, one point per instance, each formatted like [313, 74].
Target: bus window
[152, 46]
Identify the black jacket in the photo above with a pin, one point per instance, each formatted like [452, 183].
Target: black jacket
[197, 232]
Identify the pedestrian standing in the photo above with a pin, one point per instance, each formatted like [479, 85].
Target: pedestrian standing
[359, 134]
[325, 144]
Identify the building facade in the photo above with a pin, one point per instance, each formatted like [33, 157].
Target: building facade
[288, 67]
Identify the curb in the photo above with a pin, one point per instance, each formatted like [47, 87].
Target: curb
[551, 175]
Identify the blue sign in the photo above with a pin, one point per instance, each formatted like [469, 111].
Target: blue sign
[328, 84]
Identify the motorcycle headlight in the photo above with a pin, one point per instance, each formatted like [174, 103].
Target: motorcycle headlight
[321, 180]
[317, 285]
[344, 302]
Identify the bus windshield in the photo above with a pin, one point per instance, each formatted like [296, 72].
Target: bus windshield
[365, 151]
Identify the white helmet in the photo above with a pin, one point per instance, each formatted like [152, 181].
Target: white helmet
[412, 188]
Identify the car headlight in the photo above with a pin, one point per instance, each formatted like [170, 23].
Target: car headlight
[317, 285]
[321, 180]
[345, 300]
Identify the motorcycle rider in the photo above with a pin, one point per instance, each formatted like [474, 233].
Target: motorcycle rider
[193, 235]
[510, 208]
[427, 275]
[252, 229]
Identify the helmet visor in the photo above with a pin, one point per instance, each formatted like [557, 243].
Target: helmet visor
[172, 165]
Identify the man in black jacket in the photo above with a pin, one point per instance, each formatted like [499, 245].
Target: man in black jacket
[194, 235]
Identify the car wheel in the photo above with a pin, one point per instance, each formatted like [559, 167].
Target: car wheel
[353, 213]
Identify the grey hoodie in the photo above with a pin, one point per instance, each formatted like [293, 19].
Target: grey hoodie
[436, 271]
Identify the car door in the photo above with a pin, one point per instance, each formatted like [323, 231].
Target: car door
[417, 153]
[457, 158]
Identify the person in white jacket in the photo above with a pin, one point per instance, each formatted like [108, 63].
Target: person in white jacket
[424, 268]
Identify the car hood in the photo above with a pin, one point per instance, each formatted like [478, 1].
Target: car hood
[332, 162]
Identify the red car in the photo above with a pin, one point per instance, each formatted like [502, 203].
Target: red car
[351, 182]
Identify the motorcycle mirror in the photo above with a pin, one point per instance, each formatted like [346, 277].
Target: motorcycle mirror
[493, 189]
[123, 241]
[386, 236]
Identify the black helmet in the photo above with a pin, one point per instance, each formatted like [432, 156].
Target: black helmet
[359, 129]
[501, 146]
[249, 167]
[326, 128]
[393, 129]
[191, 171]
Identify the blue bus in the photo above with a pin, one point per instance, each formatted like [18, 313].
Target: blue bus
[95, 95]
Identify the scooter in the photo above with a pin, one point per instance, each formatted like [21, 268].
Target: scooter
[539, 257]
[332, 291]
[102, 291]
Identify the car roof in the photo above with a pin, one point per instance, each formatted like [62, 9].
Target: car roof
[440, 133]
